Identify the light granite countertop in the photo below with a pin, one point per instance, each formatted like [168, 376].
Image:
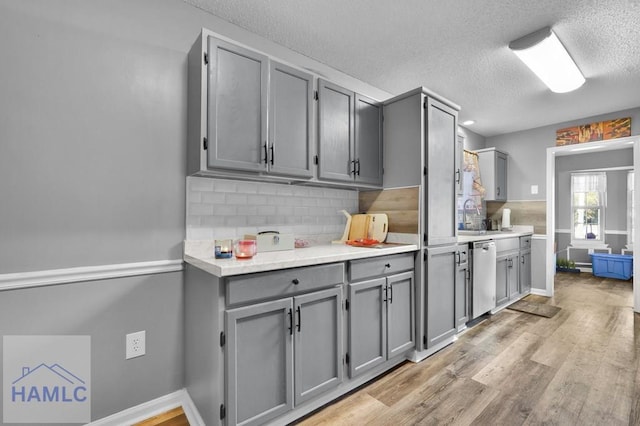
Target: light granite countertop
[516, 231]
[200, 255]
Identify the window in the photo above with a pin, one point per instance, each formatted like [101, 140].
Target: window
[630, 211]
[588, 202]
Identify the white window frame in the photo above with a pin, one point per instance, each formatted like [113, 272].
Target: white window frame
[600, 236]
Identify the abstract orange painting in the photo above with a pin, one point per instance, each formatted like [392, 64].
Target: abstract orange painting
[568, 136]
[618, 128]
[591, 132]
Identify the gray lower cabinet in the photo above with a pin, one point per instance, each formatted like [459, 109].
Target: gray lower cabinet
[441, 270]
[282, 353]
[463, 287]
[507, 270]
[381, 312]
[525, 264]
[349, 136]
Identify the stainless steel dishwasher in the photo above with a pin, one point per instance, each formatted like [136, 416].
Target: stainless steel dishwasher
[484, 277]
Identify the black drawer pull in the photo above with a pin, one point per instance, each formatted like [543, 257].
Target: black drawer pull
[295, 281]
[388, 265]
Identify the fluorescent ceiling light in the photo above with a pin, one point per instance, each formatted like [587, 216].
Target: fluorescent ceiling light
[545, 55]
[468, 123]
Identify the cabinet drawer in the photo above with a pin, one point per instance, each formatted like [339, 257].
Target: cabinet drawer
[525, 242]
[376, 266]
[507, 244]
[287, 282]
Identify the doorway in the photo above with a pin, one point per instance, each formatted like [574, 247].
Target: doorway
[591, 147]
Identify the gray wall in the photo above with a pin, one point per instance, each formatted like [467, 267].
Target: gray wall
[92, 172]
[528, 153]
[472, 140]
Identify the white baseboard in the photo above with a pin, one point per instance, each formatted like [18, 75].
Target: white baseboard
[539, 292]
[153, 408]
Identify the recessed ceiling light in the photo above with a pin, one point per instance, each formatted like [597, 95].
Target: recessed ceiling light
[468, 122]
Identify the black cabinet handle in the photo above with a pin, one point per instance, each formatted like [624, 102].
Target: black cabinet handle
[266, 157]
[295, 281]
[390, 293]
[459, 258]
[458, 176]
[388, 265]
[299, 318]
[358, 170]
[522, 260]
[273, 154]
[353, 168]
[386, 289]
[290, 322]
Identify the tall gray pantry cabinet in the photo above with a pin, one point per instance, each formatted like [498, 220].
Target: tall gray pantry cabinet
[421, 149]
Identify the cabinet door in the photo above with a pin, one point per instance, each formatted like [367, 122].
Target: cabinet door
[513, 270]
[290, 97]
[237, 105]
[501, 177]
[367, 325]
[440, 266]
[335, 132]
[368, 134]
[462, 295]
[441, 161]
[400, 314]
[502, 280]
[259, 362]
[525, 272]
[318, 343]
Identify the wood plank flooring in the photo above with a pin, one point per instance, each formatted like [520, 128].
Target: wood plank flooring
[580, 367]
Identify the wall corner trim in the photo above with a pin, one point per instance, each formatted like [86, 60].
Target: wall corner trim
[19, 280]
[153, 408]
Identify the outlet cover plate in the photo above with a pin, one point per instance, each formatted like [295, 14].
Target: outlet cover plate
[135, 344]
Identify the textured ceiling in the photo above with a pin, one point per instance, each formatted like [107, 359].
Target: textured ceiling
[458, 48]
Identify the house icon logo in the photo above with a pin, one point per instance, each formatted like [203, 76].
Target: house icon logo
[61, 385]
[46, 379]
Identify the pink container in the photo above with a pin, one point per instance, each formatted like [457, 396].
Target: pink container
[245, 249]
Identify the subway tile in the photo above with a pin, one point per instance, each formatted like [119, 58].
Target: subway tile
[213, 197]
[224, 210]
[222, 185]
[238, 199]
[199, 184]
[236, 221]
[257, 220]
[248, 187]
[266, 210]
[197, 209]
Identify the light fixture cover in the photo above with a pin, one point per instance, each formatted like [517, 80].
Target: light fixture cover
[545, 55]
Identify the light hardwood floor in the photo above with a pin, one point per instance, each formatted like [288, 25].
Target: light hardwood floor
[580, 367]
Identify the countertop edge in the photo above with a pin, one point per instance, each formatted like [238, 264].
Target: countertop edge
[264, 262]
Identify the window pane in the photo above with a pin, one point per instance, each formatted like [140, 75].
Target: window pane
[586, 199]
[587, 224]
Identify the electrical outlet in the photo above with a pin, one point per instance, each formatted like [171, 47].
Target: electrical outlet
[135, 344]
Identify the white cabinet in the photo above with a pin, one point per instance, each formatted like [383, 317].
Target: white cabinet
[493, 173]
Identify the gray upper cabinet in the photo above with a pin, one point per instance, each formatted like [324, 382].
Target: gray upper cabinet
[493, 173]
[290, 99]
[368, 146]
[441, 265]
[349, 136]
[442, 170]
[237, 105]
[335, 132]
[247, 114]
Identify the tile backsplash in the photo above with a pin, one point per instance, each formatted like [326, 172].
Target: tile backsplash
[220, 208]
